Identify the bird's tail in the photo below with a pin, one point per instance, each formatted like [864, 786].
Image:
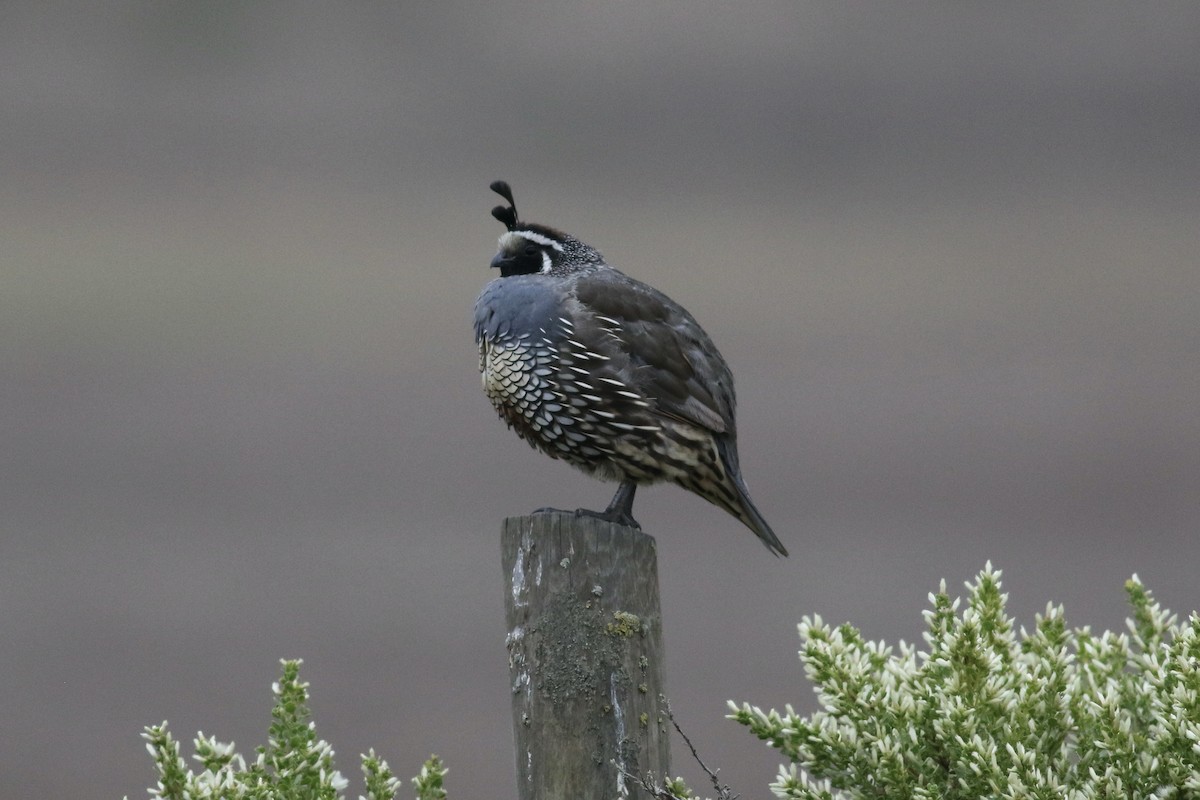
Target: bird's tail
[744, 509]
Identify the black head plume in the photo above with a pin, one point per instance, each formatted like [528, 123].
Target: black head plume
[508, 215]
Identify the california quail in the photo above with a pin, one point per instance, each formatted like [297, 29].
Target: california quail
[610, 375]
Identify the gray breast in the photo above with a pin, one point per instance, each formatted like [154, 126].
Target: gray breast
[517, 306]
[554, 378]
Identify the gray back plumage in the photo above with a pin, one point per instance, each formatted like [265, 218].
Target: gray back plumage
[675, 360]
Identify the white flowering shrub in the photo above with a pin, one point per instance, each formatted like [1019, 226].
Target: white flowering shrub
[294, 764]
[986, 712]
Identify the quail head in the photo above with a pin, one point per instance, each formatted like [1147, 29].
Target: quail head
[608, 374]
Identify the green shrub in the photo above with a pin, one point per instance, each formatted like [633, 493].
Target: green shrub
[294, 764]
[986, 712]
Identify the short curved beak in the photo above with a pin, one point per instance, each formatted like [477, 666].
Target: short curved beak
[499, 261]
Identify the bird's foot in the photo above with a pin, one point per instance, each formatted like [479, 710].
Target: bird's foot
[549, 510]
[615, 516]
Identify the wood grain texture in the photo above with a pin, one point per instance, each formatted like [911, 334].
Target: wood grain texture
[585, 656]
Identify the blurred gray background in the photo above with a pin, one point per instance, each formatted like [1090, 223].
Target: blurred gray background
[949, 250]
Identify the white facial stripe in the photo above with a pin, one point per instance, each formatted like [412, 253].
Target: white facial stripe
[544, 241]
[536, 238]
[546, 263]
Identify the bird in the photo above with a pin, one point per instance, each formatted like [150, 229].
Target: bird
[600, 370]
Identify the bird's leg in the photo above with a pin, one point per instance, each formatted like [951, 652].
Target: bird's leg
[619, 511]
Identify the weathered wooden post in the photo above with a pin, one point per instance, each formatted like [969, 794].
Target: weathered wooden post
[585, 655]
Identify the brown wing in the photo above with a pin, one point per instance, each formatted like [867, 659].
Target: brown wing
[673, 361]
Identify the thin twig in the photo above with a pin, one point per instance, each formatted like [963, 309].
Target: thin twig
[723, 790]
[658, 790]
[646, 782]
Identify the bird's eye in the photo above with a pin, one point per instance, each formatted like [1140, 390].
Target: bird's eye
[531, 249]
